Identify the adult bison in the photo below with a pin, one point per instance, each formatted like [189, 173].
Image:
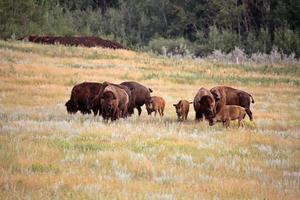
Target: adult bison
[140, 93]
[97, 100]
[224, 95]
[204, 105]
[81, 97]
[114, 102]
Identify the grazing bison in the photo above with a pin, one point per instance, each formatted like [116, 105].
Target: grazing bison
[155, 104]
[230, 112]
[81, 97]
[204, 104]
[182, 109]
[230, 96]
[140, 93]
[114, 102]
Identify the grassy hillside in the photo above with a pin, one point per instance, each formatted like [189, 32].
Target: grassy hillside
[46, 153]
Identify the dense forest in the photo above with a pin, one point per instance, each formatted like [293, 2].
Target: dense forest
[197, 25]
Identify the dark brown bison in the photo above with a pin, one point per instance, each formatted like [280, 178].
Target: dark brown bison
[182, 109]
[155, 104]
[224, 95]
[228, 113]
[204, 104]
[97, 100]
[114, 102]
[140, 93]
[81, 97]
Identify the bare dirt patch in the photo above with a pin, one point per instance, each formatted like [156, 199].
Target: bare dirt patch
[74, 41]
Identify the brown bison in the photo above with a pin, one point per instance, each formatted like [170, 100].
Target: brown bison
[155, 104]
[81, 97]
[224, 95]
[140, 94]
[182, 109]
[97, 100]
[228, 113]
[204, 104]
[114, 102]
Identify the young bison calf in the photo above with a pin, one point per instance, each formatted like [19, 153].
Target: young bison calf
[230, 112]
[182, 109]
[154, 104]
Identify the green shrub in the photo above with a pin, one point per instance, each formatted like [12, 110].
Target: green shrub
[170, 46]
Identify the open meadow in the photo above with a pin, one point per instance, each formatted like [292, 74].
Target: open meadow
[45, 153]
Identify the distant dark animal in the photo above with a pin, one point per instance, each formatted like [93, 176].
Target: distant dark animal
[182, 109]
[224, 95]
[228, 113]
[81, 97]
[140, 94]
[204, 105]
[114, 102]
[155, 104]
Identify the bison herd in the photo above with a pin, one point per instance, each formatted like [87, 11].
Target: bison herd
[114, 101]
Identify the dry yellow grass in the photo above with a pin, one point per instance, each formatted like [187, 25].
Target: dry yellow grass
[46, 153]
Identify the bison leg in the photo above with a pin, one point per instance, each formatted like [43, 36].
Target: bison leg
[199, 116]
[241, 123]
[126, 112]
[139, 110]
[226, 123]
[245, 102]
[130, 111]
[162, 112]
[95, 111]
[249, 113]
[115, 115]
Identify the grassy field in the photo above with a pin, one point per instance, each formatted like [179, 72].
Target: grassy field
[47, 154]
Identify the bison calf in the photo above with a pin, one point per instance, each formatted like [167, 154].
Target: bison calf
[154, 104]
[182, 109]
[228, 113]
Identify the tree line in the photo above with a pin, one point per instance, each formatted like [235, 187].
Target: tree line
[198, 25]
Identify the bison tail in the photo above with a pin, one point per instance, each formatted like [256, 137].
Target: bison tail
[150, 90]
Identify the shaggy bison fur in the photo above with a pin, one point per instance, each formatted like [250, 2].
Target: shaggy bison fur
[182, 109]
[81, 97]
[140, 94]
[228, 113]
[224, 95]
[114, 102]
[204, 104]
[155, 104]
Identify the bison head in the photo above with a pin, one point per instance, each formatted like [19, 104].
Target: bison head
[178, 108]
[108, 103]
[149, 105]
[71, 107]
[208, 105]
